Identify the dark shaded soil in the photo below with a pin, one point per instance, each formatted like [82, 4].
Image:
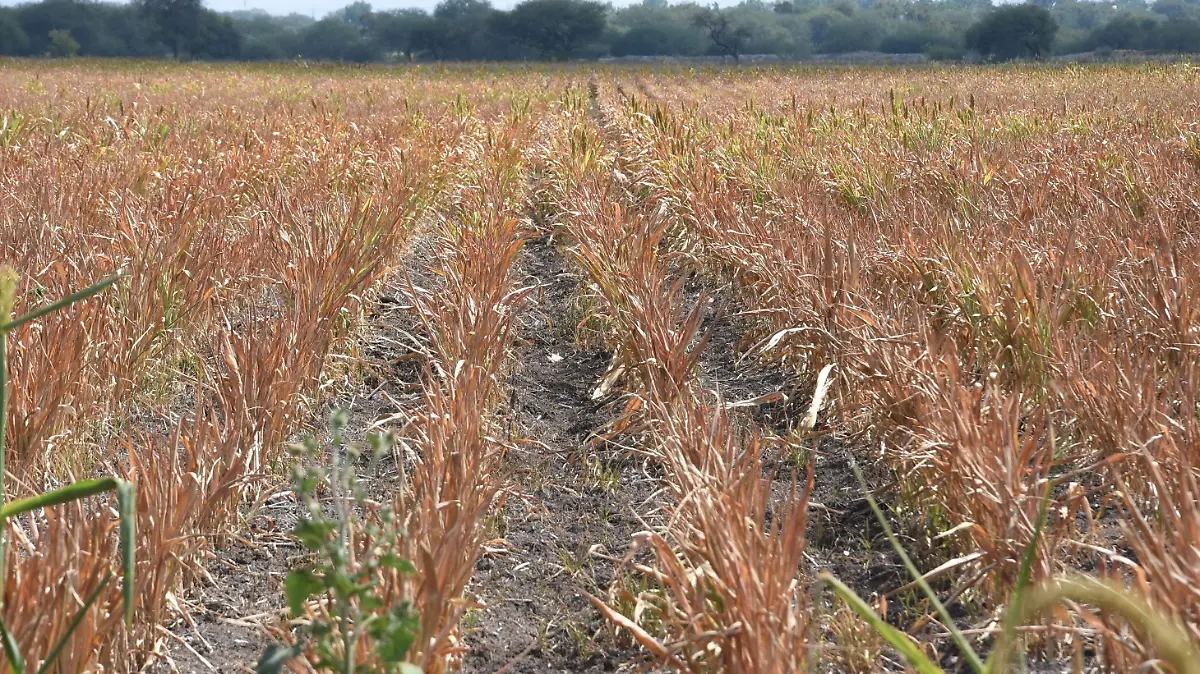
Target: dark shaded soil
[843, 536]
[231, 610]
[839, 518]
[568, 505]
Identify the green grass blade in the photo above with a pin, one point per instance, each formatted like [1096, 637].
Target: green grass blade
[55, 306]
[997, 661]
[8, 291]
[1026, 571]
[893, 636]
[127, 505]
[1170, 640]
[15, 662]
[72, 492]
[3, 407]
[54, 652]
[964, 646]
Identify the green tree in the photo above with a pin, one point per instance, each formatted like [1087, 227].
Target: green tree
[13, 40]
[1018, 31]
[642, 41]
[555, 28]
[913, 38]
[267, 37]
[1181, 36]
[1147, 33]
[1127, 31]
[639, 30]
[727, 37]
[100, 28]
[216, 37]
[1077, 19]
[62, 45]
[1176, 10]
[177, 22]
[840, 29]
[356, 13]
[400, 31]
[123, 33]
[433, 39]
[333, 39]
[771, 33]
[464, 30]
[461, 9]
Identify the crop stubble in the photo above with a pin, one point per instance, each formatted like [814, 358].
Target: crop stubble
[996, 262]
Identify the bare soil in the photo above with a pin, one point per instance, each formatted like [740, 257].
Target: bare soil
[567, 505]
[237, 607]
[570, 505]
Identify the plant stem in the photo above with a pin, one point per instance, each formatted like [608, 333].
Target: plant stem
[54, 306]
[341, 498]
[3, 448]
[3, 411]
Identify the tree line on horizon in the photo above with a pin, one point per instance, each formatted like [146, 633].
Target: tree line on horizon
[474, 30]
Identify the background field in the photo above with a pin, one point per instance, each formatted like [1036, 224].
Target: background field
[595, 306]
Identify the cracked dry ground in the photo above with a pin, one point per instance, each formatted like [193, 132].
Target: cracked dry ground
[566, 516]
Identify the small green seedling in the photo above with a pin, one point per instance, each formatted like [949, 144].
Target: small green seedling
[351, 552]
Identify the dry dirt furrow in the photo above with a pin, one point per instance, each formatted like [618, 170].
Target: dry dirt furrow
[237, 605]
[565, 501]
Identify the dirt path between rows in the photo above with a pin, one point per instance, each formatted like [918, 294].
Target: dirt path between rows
[566, 504]
[568, 508]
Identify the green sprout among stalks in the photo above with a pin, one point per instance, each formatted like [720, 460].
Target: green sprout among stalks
[126, 494]
[1028, 602]
[351, 553]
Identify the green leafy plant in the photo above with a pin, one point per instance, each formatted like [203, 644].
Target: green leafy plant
[356, 626]
[62, 44]
[1027, 602]
[126, 493]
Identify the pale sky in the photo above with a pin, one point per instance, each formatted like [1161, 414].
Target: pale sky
[320, 8]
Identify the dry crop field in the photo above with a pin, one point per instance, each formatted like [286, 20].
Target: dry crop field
[631, 332]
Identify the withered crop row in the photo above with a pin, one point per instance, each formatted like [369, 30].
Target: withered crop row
[997, 265]
[1003, 285]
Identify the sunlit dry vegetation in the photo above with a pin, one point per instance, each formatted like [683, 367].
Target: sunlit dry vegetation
[973, 283]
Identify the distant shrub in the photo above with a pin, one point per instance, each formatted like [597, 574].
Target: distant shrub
[1127, 32]
[1180, 36]
[62, 45]
[834, 32]
[916, 38]
[1020, 31]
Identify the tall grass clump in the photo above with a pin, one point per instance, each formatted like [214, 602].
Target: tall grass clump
[728, 596]
[54, 636]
